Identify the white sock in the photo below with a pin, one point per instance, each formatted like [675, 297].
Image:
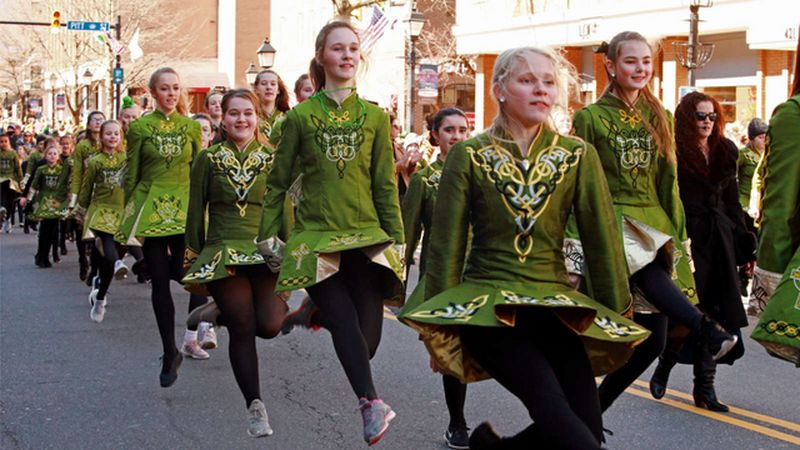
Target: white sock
[190, 336]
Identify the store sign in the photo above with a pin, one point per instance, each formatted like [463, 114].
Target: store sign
[428, 81]
[772, 36]
[61, 102]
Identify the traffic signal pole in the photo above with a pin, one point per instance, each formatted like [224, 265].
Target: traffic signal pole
[118, 86]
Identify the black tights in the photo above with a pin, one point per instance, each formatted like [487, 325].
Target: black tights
[659, 289]
[7, 197]
[164, 259]
[545, 365]
[615, 383]
[455, 395]
[80, 244]
[48, 237]
[351, 308]
[249, 308]
[105, 252]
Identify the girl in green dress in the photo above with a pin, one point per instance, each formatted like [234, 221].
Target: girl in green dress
[510, 312]
[303, 88]
[161, 147]
[84, 149]
[228, 185]
[633, 136]
[449, 127]
[341, 249]
[102, 196]
[776, 278]
[274, 98]
[10, 177]
[48, 192]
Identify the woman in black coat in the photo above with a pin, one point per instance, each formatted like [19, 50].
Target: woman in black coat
[716, 226]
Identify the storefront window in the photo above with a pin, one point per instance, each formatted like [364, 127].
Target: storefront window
[738, 102]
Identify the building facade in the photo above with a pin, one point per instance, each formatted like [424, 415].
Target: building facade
[750, 70]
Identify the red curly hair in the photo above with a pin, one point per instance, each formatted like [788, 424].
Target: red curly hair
[687, 136]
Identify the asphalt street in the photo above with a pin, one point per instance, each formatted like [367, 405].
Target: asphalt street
[68, 383]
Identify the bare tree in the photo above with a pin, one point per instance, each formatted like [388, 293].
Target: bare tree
[437, 43]
[344, 9]
[68, 53]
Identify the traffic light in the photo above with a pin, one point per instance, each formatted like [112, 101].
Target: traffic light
[56, 20]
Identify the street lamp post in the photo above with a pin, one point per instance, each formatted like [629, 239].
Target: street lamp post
[693, 54]
[415, 22]
[53, 80]
[26, 89]
[266, 55]
[251, 74]
[87, 79]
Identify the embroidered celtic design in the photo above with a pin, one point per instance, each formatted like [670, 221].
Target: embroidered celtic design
[617, 330]
[462, 312]
[167, 210]
[547, 300]
[633, 147]
[432, 180]
[169, 142]
[526, 188]
[340, 140]
[207, 270]
[241, 176]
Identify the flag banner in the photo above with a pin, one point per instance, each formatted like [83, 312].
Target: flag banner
[375, 30]
[133, 46]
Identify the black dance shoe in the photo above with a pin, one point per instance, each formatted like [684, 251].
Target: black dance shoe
[484, 437]
[169, 368]
[719, 341]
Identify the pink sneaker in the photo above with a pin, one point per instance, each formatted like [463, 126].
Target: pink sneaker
[376, 416]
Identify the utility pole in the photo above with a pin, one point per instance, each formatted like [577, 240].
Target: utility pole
[118, 85]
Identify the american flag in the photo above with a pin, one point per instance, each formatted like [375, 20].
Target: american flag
[377, 26]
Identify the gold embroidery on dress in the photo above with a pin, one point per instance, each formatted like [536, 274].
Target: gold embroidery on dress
[634, 148]
[432, 180]
[339, 119]
[525, 188]
[169, 141]
[795, 277]
[207, 270]
[630, 119]
[459, 312]
[241, 176]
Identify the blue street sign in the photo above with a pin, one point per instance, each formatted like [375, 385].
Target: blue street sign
[119, 75]
[87, 26]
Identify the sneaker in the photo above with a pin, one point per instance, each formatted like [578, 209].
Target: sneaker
[192, 350]
[720, 342]
[169, 369]
[457, 437]
[484, 437]
[376, 416]
[300, 317]
[7, 227]
[120, 270]
[98, 311]
[207, 336]
[206, 313]
[258, 425]
[3, 214]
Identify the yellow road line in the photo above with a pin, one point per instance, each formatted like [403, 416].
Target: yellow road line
[738, 411]
[719, 417]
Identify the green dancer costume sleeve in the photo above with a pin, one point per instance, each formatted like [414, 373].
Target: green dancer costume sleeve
[776, 278]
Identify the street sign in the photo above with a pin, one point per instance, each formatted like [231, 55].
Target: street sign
[119, 75]
[87, 26]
